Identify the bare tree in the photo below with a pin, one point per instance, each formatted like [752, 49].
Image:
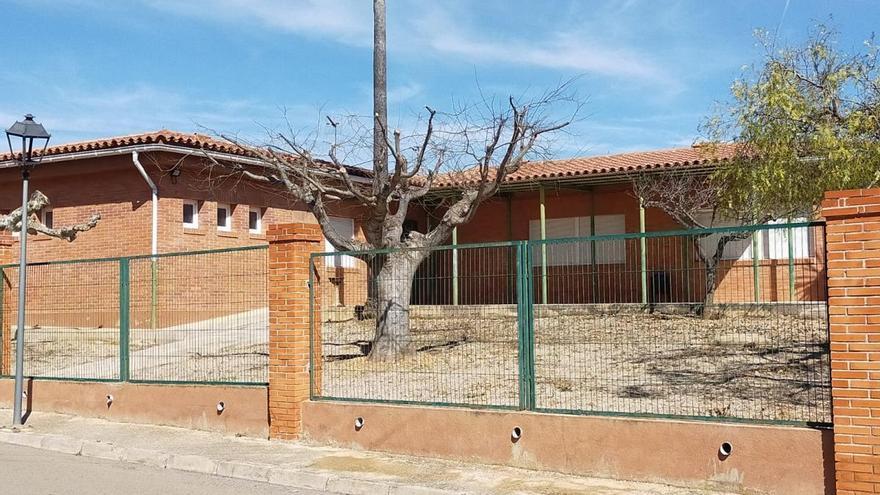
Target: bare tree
[692, 198]
[12, 222]
[471, 150]
[492, 147]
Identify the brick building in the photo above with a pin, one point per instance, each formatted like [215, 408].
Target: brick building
[593, 196]
[155, 196]
[196, 210]
[193, 209]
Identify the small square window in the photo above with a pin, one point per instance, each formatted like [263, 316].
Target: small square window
[224, 217]
[47, 217]
[255, 220]
[190, 214]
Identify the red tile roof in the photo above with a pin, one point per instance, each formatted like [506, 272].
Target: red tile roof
[534, 171]
[164, 136]
[543, 170]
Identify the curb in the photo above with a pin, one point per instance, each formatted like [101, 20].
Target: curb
[293, 478]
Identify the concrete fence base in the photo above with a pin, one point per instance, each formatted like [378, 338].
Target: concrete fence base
[186, 406]
[764, 459]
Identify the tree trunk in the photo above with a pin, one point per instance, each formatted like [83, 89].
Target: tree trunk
[709, 296]
[374, 265]
[710, 263]
[393, 290]
[707, 310]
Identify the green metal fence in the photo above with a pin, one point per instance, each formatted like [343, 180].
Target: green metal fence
[635, 324]
[196, 317]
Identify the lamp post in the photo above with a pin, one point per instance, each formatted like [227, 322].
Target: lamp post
[28, 131]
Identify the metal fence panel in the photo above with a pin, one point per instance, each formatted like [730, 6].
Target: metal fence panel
[71, 319]
[464, 352]
[206, 315]
[199, 317]
[605, 324]
[635, 334]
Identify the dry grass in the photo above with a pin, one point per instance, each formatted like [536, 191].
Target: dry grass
[50, 351]
[158, 355]
[764, 363]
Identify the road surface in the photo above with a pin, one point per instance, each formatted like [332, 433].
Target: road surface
[39, 472]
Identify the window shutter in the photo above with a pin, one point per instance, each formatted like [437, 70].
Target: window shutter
[610, 251]
[345, 228]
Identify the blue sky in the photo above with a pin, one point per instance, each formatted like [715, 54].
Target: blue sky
[651, 70]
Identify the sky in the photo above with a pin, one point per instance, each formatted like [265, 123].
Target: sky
[649, 70]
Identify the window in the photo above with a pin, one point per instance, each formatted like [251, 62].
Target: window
[771, 244]
[47, 217]
[568, 253]
[610, 252]
[345, 228]
[224, 217]
[740, 249]
[579, 252]
[776, 241]
[191, 214]
[255, 220]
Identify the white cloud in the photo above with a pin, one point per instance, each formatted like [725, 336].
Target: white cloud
[348, 21]
[404, 92]
[436, 28]
[565, 52]
[73, 113]
[606, 44]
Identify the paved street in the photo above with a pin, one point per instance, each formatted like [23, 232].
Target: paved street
[39, 472]
[54, 469]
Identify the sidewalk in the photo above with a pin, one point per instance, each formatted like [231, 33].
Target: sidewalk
[300, 465]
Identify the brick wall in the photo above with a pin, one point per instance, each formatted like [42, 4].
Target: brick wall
[853, 236]
[187, 289]
[112, 187]
[485, 274]
[289, 248]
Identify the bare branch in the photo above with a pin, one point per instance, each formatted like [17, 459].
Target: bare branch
[12, 222]
[68, 233]
[482, 144]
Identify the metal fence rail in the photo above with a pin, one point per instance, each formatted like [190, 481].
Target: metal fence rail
[199, 317]
[623, 324]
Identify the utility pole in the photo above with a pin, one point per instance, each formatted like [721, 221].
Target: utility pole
[380, 92]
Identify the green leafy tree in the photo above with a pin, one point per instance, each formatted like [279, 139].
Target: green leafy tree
[805, 121]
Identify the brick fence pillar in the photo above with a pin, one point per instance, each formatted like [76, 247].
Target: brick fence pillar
[289, 248]
[853, 239]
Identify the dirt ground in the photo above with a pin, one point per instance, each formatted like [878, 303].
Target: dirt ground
[209, 351]
[760, 363]
[49, 351]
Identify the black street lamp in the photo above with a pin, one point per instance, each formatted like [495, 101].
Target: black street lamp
[29, 132]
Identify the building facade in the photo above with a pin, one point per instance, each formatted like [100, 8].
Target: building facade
[199, 209]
